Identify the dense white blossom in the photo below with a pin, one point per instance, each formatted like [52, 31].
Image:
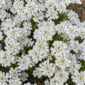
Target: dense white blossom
[40, 51]
[24, 62]
[45, 32]
[59, 48]
[14, 73]
[15, 82]
[1, 36]
[6, 59]
[79, 78]
[3, 78]
[41, 41]
[45, 68]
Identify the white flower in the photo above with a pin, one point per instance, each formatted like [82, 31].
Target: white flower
[62, 76]
[7, 4]
[15, 82]
[74, 45]
[72, 31]
[18, 5]
[23, 76]
[61, 27]
[13, 48]
[30, 8]
[24, 62]
[73, 17]
[59, 78]
[27, 26]
[82, 50]
[5, 58]
[41, 7]
[59, 48]
[1, 36]
[38, 17]
[67, 2]
[29, 45]
[79, 78]
[30, 83]
[47, 82]
[1, 3]
[45, 31]
[40, 51]
[61, 7]
[62, 62]
[52, 14]
[27, 83]
[74, 67]
[3, 14]
[7, 25]
[50, 4]
[14, 73]
[3, 78]
[46, 69]
[82, 32]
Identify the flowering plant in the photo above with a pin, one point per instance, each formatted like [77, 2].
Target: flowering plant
[41, 43]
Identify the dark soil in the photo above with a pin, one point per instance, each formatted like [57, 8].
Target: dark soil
[80, 10]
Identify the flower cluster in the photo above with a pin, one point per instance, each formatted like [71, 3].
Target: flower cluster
[42, 42]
